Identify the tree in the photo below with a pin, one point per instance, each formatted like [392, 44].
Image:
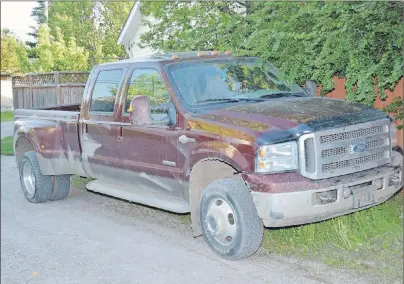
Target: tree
[194, 26]
[39, 13]
[77, 20]
[94, 25]
[54, 54]
[310, 40]
[14, 58]
[114, 17]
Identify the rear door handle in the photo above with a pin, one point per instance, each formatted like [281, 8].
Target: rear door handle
[184, 139]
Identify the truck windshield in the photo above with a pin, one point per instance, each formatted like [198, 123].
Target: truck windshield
[228, 81]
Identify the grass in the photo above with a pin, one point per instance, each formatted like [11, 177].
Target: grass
[79, 182]
[6, 116]
[369, 241]
[7, 146]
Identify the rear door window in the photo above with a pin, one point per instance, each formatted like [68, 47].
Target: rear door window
[105, 90]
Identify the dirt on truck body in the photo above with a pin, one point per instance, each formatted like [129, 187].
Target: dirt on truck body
[229, 139]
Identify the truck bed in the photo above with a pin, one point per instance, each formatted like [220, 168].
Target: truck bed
[57, 133]
[63, 112]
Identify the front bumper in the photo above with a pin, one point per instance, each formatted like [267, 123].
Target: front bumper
[290, 199]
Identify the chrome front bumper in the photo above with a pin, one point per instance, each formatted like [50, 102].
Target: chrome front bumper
[352, 193]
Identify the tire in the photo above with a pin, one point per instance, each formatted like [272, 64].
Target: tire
[37, 188]
[61, 187]
[229, 220]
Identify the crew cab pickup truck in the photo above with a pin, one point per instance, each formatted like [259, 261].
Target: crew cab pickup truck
[228, 139]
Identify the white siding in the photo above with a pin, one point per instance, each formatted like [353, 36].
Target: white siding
[135, 50]
[6, 92]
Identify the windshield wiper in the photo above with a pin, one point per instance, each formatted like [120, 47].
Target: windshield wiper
[281, 94]
[230, 100]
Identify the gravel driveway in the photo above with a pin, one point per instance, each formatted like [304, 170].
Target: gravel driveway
[89, 238]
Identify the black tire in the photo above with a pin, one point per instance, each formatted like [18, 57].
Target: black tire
[249, 227]
[42, 185]
[61, 187]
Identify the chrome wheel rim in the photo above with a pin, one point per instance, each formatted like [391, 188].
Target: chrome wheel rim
[220, 221]
[28, 179]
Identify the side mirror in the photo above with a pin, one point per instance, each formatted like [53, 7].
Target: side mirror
[139, 111]
[311, 88]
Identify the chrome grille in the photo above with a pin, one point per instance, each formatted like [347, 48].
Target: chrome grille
[344, 150]
[335, 152]
[351, 162]
[370, 131]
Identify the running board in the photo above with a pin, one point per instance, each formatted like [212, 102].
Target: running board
[142, 196]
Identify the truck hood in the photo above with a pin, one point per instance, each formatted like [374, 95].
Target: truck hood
[314, 113]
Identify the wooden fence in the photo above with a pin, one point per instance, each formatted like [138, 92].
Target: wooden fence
[48, 89]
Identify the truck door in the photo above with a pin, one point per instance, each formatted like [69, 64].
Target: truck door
[99, 130]
[149, 153]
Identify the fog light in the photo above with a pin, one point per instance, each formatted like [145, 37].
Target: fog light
[347, 192]
[378, 183]
[395, 179]
[324, 197]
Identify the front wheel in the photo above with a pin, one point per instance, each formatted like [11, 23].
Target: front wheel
[229, 219]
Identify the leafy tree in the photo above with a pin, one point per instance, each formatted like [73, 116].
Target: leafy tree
[54, 54]
[39, 14]
[114, 17]
[318, 40]
[94, 25]
[14, 58]
[77, 20]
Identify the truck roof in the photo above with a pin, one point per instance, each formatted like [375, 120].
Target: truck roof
[160, 57]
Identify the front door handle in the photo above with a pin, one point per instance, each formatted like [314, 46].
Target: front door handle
[184, 139]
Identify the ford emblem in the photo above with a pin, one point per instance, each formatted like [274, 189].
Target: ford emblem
[359, 148]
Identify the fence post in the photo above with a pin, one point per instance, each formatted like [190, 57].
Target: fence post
[15, 98]
[31, 89]
[57, 88]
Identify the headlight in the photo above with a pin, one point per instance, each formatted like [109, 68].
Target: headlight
[393, 134]
[277, 158]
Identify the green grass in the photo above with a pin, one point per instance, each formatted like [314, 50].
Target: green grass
[79, 182]
[6, 116]
[7, 146]
[369, 241]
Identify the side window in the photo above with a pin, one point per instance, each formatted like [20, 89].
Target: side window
[105, 90]
[147, 82]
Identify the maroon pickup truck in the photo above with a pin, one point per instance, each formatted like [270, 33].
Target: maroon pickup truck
[229, 139]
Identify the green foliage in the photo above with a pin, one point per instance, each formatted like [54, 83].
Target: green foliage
[39, 15]
[396, 108]
[94, 24]
[114, 18]
[6, 116]
[57, 55]
[310, 40]
[7, 146]
[14, 58]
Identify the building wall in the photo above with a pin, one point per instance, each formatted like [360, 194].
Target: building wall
[134, 50]
[6, 91]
